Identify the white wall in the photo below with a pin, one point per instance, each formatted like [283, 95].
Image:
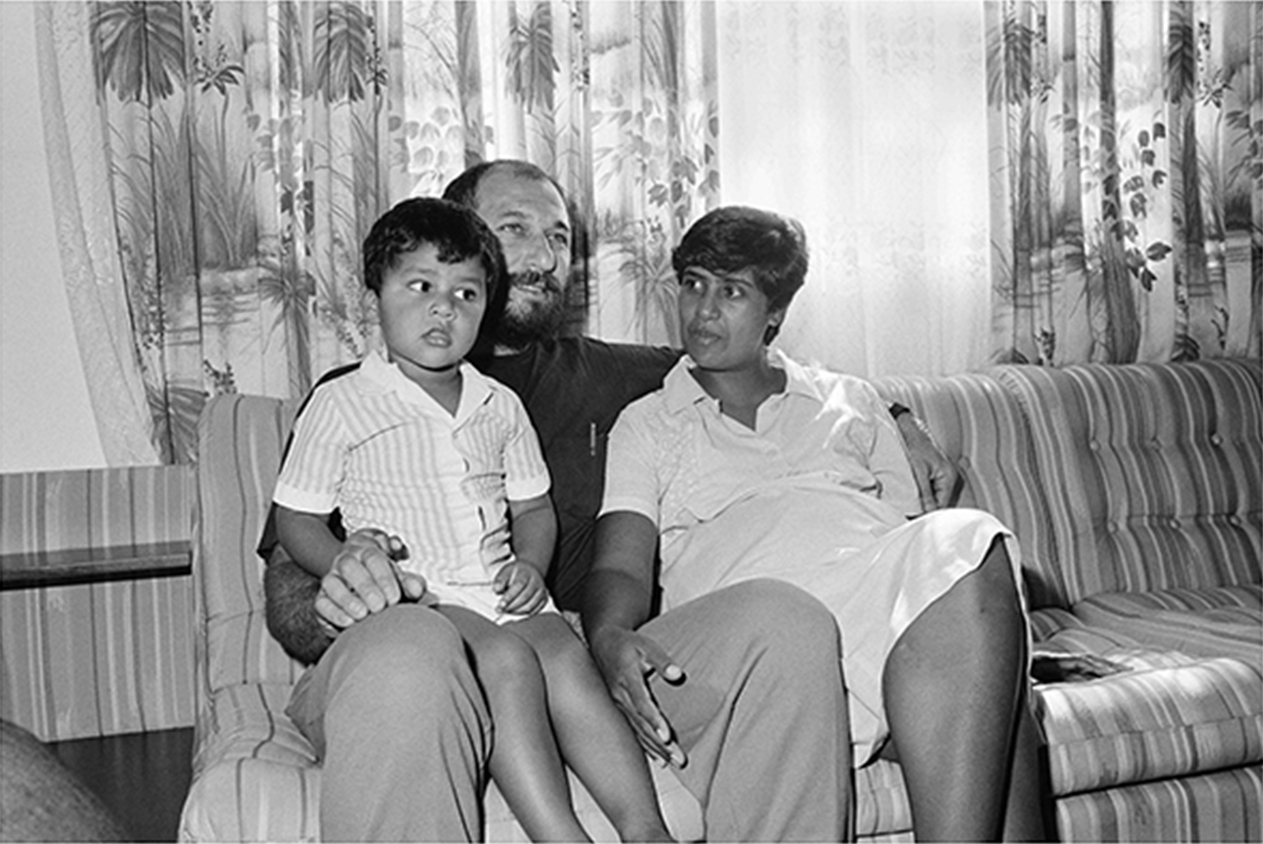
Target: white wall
[46, 420]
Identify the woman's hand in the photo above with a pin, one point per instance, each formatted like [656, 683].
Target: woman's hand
[364, 579]
[938, 479]
[521, 588]
[626, 660]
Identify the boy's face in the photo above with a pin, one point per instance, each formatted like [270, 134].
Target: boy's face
[430, 311]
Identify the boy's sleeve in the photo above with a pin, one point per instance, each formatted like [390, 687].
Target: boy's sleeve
[525, 472]
[631, 476]
[312, 472]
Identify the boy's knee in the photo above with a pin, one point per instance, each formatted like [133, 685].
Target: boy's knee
[506, 658]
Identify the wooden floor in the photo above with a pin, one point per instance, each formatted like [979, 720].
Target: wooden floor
[142, 777]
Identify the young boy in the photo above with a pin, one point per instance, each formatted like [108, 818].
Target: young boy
[418, 446]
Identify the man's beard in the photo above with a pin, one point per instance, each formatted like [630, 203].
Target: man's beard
[523, 323]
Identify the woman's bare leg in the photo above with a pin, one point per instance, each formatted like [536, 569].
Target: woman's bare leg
[595, 739]
[954, 687]
[524, 762]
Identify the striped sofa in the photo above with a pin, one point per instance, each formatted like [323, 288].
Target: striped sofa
[1136, 493]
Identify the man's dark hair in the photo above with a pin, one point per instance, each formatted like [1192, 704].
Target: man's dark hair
[453, 229]
[737, 238]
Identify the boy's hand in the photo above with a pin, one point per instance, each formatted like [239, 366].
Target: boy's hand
[521, 587]
[364, 579]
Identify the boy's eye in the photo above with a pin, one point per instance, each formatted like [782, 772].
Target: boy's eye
[733, 291]
[468, 294]
[419, 286]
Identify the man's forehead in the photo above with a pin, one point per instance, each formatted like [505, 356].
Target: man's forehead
[503, 192]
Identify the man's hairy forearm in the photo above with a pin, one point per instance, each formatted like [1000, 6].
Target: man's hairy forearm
[291, 609]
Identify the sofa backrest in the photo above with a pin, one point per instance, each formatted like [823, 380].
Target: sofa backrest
[978, 424]
[1151, 471]
[239, 441]
[1115, 478]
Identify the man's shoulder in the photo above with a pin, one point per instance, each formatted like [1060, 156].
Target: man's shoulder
[628, 353]
[334, 381]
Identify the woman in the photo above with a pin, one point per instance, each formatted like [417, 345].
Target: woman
[746, 465]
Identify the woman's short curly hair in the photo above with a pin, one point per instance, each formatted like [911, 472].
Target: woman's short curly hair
[737, 238]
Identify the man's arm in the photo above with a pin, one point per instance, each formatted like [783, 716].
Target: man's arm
[305, 613]
[290, 592]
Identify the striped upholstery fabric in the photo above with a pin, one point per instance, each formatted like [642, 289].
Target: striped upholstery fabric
[255, 777]
[1170, 750]
[1223, 806]
[1153, 722]
[979, 426]
[1151, 471]
[1224, 620]
[240, 439]
[97, 659]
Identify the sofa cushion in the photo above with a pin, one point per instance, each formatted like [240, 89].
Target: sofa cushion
[1170, 715]
[1223, 806]
[1150, 471]
[1219, 621]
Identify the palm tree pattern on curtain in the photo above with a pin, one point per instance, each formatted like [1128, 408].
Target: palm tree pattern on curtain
[251, 145]
[1127, 180]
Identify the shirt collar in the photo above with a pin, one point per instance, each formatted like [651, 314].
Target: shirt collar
[681, 390]
[384, 376]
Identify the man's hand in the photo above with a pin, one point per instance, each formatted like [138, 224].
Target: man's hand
[521, 588]
[1047, 667]
[364, 579]
[626, 660]
[938, 479]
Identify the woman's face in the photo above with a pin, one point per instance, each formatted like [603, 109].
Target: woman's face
[724, 318]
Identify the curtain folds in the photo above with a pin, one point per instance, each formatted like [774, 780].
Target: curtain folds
[1010, 180]
[95, 285]
[1127, 179]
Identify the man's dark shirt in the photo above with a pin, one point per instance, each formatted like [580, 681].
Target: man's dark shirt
[573, 389]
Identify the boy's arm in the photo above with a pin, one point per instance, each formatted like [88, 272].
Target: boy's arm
[534, 530]
[308, 539]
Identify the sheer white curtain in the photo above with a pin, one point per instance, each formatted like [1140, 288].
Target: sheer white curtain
[867, 122]
[90, 263]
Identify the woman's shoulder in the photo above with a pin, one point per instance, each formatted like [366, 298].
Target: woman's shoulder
[830, 384]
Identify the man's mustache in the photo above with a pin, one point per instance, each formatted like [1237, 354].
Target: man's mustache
[535, 278]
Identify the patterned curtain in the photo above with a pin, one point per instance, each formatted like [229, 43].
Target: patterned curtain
[216, 164]
[1128, 180]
